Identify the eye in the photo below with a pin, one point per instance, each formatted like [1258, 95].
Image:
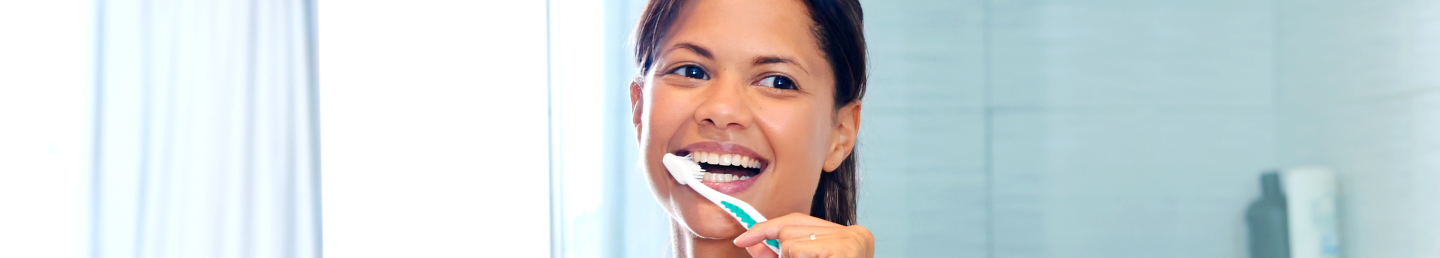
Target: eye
[778, 82]
[691, 71]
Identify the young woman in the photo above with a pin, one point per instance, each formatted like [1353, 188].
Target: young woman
[769, 92]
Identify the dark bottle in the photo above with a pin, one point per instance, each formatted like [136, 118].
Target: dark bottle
[1266, 218]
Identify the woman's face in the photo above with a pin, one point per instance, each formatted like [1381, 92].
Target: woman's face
[743, 87]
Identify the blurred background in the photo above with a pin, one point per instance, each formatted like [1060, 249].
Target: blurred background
[1092, 128]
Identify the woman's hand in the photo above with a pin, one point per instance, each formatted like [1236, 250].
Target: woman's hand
[794, 232]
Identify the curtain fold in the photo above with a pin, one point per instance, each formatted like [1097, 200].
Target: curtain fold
[206, 143]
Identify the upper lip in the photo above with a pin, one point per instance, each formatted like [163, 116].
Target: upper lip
[723, 148]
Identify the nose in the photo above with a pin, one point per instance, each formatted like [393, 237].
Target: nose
[723, 107]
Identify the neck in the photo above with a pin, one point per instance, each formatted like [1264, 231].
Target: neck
[687, 245]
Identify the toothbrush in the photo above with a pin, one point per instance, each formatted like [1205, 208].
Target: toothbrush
[687, 172]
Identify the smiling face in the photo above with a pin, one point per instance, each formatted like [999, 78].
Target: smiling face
[743, 88]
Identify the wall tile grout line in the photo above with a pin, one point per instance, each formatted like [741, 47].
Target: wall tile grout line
[989, 128]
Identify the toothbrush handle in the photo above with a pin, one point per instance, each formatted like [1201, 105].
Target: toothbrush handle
[748, 217]
[744, 211]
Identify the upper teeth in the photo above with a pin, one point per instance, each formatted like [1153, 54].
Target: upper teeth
[725, 159]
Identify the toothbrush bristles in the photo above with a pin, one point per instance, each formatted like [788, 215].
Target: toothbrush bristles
[698, 170]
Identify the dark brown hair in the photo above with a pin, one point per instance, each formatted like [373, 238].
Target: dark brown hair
[839, 28]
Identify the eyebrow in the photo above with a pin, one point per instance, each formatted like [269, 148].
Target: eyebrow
[764, 60]
[693, 48]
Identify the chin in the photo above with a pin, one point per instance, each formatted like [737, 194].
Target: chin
[708, 221]
[714, 223]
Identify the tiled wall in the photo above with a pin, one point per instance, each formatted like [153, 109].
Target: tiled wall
[922, 143]
[1139, 128]
[1359, 87]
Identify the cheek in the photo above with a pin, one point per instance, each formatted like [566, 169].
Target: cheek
[661, 125]
[800, 134]
[799, 141]
[668, 112]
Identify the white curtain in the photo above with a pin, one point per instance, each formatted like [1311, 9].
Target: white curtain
[44, 122]
[206, 137]
[434, 125]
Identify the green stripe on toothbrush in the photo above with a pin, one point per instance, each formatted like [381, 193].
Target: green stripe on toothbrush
[746, 220]
[738, 213]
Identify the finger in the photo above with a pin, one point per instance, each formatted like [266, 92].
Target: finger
[799, 245]
[771, 229]
[804, 232]
[803, 248]
[799, 219]
[785, 233]
[761, 251]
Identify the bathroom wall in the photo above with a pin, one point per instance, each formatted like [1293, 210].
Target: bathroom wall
[1076, 129]
[922, 147]
[1138, 128]
[1358, 86]
[1128, 128]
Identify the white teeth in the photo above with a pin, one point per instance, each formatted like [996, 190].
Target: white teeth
[725, 159]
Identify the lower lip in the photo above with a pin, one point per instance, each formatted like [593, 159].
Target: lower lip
[732, 187]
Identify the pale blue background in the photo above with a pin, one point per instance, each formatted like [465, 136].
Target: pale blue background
[1100, 128]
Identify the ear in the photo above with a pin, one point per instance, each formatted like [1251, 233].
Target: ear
[842, 140]
[636, 104]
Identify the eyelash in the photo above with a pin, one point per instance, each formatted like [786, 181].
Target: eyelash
[773, 81]
[693, 72]
[778, 81]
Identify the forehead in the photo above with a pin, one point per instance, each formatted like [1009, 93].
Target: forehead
[744, 29]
